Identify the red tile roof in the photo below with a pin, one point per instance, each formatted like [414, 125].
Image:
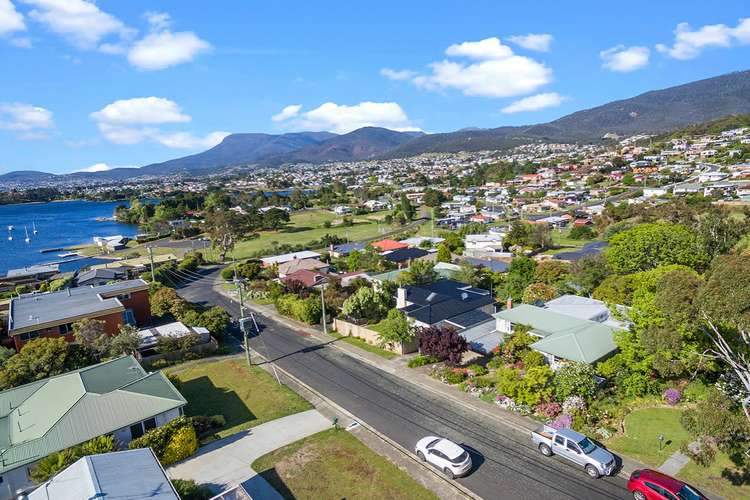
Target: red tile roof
[385, 245]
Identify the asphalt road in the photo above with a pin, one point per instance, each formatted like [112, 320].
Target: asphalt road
[506, 464]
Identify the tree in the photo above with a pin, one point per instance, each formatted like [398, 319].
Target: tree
[298, 199]
[520, 275]
[57, 461]
[42, 358]
[188, 489]
[538, 292]
[126, 342]
[5, 354]
[467, 273]
[551, 272]
[540, 236]
[225, 227]
[587, 273]
[575, 379]
[727, 274]
[216, 320]
[353, 260]
[442, 342]
[582, 233]
[405, 207]
[720, 231]
[433, 198]
[366, 305]
[443, 253]
[518, 234]
[166, 301]
[647, 246]
[395, 328]
[88, 330]
[217, 201]
[420, 272]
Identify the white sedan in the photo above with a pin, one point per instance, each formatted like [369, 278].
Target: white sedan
[446, 455]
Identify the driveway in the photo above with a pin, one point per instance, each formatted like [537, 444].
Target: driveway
[225, 463]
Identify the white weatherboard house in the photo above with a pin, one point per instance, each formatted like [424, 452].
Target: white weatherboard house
[117, 397]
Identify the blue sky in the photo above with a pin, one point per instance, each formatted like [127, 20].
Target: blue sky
[127, 83]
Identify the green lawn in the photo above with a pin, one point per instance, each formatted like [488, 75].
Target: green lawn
[308, 225]
[642, 428]
[335, 464]
[712, 480]
[246, 397]
[362, 344]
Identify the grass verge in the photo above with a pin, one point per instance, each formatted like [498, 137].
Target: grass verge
[246, 397]
[721, 477]
[358, 342]
[642, 429]
[335, 464]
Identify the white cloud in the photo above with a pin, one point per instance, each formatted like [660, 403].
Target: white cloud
[158, 20]
[186, 140]
[341, 119]
[80, 22]
[533, 41]
[534, 103]
[689, 43]
[141, 110]
[393, 74]
[131, 121]
[288, 112]
[624, 59]
[10, 19]
[496, 72]
[27, 121]
[163, 49]
[22, 42]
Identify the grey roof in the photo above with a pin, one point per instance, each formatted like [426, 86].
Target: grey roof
[404, 254]
[55, 413]
[589, 249]
[131, 474]
[444, 300]
[495, 265]
[37, 310]
[100, 273]
[470, 318]
[347, 248]
[32, 270]
[482, 338]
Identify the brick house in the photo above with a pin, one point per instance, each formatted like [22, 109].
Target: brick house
[52, 314]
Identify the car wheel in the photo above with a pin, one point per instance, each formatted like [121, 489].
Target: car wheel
[592, 471]
[545, 450]
[449, 473]
[638, 495]
[421, 456]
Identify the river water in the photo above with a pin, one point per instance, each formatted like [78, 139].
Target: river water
[59, 224]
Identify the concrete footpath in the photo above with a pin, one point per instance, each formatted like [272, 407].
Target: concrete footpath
[225, 463]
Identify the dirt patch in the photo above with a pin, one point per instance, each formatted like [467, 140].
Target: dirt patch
[295, 463]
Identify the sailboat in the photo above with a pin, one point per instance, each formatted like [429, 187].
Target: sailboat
[10, 234]
[33, 227]
[11, 228]
[26, 230]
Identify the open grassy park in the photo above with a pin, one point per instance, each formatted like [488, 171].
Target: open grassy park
[335, 464]
[246, 397]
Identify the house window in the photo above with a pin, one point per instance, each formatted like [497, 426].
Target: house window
[124, 296]
[149, 424]
[136, 430]
[25, 337]
[128, 317]
[66, 328]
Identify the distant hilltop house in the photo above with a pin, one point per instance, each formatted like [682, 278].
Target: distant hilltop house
[342, 210]
[111, 243]
[52, 314]
[117, 397]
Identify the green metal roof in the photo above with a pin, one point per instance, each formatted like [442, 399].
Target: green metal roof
[58, 412]
[563, 336]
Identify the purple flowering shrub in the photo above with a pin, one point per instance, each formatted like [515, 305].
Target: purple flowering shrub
[562, 422]
[672, 396]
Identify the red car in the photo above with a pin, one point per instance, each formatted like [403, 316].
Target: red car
[647, 484]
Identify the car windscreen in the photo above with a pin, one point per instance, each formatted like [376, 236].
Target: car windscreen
[460, 459]
[586, 445]
[688, 493]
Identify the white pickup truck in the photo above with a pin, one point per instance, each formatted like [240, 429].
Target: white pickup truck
[575, 447]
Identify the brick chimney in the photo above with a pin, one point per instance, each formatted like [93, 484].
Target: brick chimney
[509, 303]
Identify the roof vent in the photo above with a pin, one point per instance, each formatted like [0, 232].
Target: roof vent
[431, 296]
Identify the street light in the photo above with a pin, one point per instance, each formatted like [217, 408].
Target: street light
[660, 437]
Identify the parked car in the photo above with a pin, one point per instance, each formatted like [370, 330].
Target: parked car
[444, 454]
[647, 484]
[575, 447]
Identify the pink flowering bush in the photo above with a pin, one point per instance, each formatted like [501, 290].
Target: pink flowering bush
[548, 410]
[562, 422]
[672, 396]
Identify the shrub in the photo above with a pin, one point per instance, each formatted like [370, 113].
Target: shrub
[695, 391]
[477, 370]
[181, 445]
[444, 343]
[55, 462]
[454, 375]
[395, 328]
[187, 489]
[366, 305]
[421, 360]
[575, 379]
[582, 233]
[548, 410]
[574, 404]
[562, 422]
[672, 396]
[158, 439]
[531, 359]
[205, 426]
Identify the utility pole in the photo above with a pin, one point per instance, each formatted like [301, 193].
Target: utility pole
[151, 257]
[323, 306]
[238, 283]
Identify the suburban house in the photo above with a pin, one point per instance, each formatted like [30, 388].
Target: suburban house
[292, 266]
[117, 397]
[420, 241]
[388, 245]
[29, 275]
[404, 256]
[101, 276]
[150, 336]
[445, 302]
[52, 314]
[111, 243]
[345, 249]
[342, 210]
[562, 337]
[307, 277]
[280, 259]
[477, 245]
[120, 474]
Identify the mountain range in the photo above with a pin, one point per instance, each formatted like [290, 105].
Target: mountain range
[653, 112]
